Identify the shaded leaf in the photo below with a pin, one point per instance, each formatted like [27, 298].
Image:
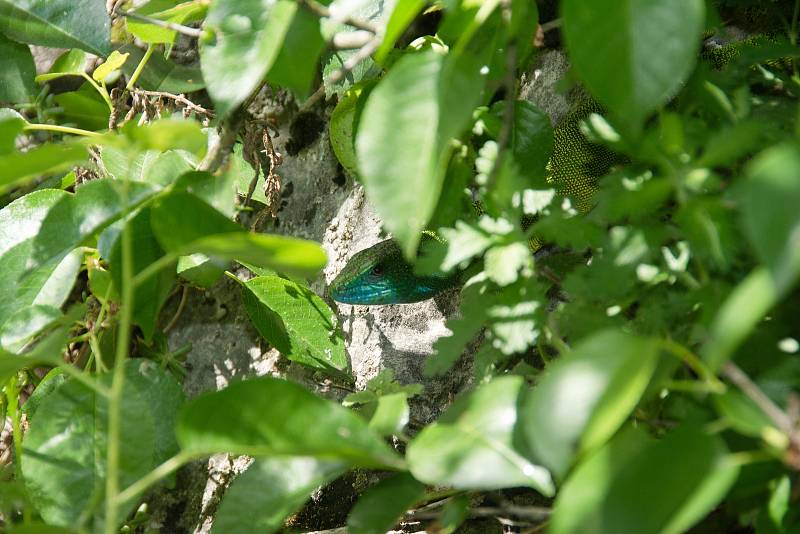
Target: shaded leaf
[379, 508]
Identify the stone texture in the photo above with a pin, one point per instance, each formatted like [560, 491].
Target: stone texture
[322, 204]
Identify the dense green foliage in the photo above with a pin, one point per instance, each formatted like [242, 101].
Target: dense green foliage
[630, 294]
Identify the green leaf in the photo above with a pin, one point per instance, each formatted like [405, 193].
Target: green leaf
[248, 35]
[391, 415]
[342, 128]
[20, 328]
[167, 11]
[68, 433]
[471, 447]
[160, 74]
[585, 396]
[114, 62]
[269, 416]
[46, 352]
[295, 321]
[16, 72]
[768, 197]
[402, 15]
[637, 484]
[531, 140]
[70, 62]
[295, 67]
[633, 55]
[402, 158]
[738, 315]
[151, 166]
[743, 414]
[51, 281]
[168, 134]
[19, 167]
[74, 220]
[379, 508]
[85, 108]
[150, 295]
[184, 224]
[269, 491]
[11, 125]
[80, 24]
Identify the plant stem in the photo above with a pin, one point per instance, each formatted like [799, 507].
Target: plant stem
[185, 30]
[84, 379]
[140, 66]
[61, 129]
[153, 268]
[118, 380]
[100, 90]
[169, 466]
[12, 394]
[694, 363]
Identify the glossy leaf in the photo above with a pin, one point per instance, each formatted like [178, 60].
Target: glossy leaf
[16, 72]
[269, 491]
[269, 416]
[167, 11]
[11, 124]
[633, 55]
[19, 167]
[160, 74]
[391, 414]
[296, 322]
[637, 484]
[80, 24]
[295, 67]
[379, 508]
[402, 15]
[402, 158]
[585, 397]
[184, 224]
[767, 197]
[248, 34]
[68, 433]
[48, 351]
[150, 295]
[531, 140]
[342, 129]
[114, 62]
[471, 446]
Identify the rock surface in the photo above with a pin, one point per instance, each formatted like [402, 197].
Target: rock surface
[321, 204]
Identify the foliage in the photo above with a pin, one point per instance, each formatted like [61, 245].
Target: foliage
[629, 275]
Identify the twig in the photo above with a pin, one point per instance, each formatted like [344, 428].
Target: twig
[509, 82]
[222, 145]
[533, 514]
[551, 25]
[351, 40]
[733, 373]
[312, 100]
[323, 11]
[200, 110]
[179, 311]
[185, 30]
[350, 63]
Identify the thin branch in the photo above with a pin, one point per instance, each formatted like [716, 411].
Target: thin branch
[733, 373]
[185, 30]
[312, 100]
[534, 514]
[179, 311]
[351, 40]
[351, 62]
[200, 110]
[323, 11]
[551, 25]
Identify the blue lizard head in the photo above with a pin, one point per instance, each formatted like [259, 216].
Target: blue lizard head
[380, 275]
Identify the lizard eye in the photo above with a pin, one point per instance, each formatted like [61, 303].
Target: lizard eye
[377, 270]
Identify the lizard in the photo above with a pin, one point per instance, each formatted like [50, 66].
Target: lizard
[380, 274]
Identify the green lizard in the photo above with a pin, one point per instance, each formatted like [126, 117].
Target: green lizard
[380, 275]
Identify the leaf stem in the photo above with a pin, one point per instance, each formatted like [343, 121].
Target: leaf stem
[100, 90]
[694, 363]
[118, 380]
[161, 263]
[140, 66]
[84, 379]
[12, 395]
[61, 129]
[169, 466]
